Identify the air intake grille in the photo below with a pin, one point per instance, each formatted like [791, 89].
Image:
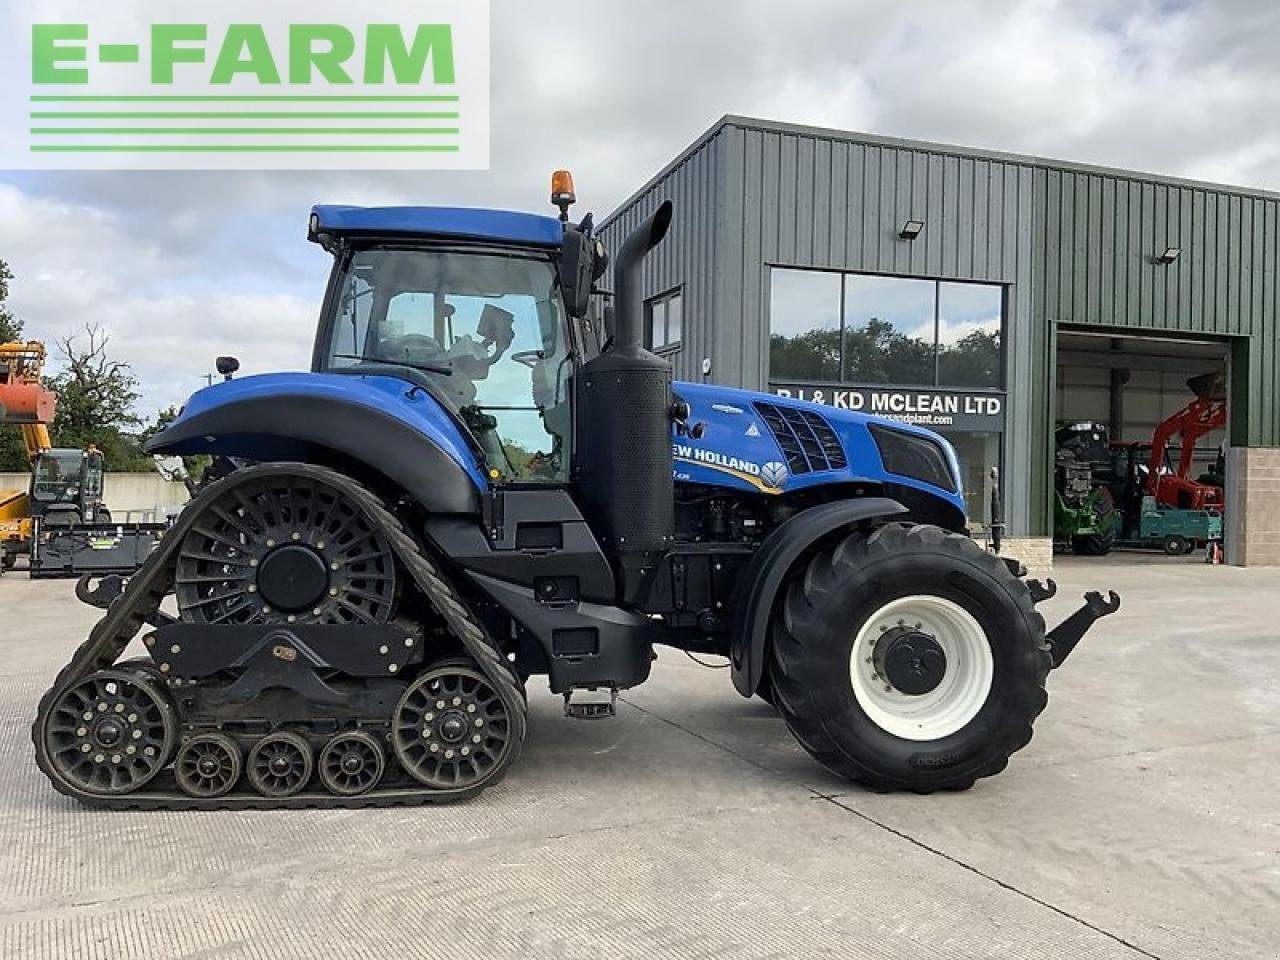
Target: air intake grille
[806, 439]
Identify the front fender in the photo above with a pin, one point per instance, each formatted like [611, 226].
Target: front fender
[379, 422]
[767, 572]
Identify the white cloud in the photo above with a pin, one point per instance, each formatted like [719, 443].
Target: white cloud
[182, 266]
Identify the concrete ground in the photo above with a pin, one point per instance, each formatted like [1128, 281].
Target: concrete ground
[1142, 821]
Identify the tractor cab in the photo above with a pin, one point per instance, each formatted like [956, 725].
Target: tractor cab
[66, 486]
[482, 304]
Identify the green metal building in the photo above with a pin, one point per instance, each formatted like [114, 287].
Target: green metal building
[975, 292]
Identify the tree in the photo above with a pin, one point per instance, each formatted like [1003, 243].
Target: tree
[96, 395]
[972, 361]
[10, 326]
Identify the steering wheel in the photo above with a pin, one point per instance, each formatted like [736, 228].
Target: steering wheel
[528, 358]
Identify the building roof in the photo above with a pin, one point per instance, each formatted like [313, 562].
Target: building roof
[499, 226]
[901, 143]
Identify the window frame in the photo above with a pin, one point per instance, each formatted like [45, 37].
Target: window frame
[664, 300]
[1002, 366]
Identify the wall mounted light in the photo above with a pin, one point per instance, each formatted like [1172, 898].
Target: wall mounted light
[1170, 254]
[911, 229]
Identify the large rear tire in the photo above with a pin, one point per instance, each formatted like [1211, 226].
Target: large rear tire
[909, 659]
[1105, 518]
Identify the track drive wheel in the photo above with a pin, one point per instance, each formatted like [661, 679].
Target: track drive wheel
[284, 549]
[351, 764]
[110, 734]
[280, 764]
[909, 659]
[208, 765]
[452, 730]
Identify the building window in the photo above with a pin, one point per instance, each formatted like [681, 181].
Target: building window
[664, 321]
[884, 331]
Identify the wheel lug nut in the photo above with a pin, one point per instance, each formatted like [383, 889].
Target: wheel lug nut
[81, 731]
[333, 591]
[85, 748]
[133, 718]
[335, 565]
[435, 748]
[457, 701]
[119, 708]
[297, 536]
[253, 588]
[116, 758]
[87, 715]
[131, 749]
[465, 751]
[471, 708]
[440, 704]
[137, 734]
[98, 758]
[102, 708]
[428, 717]
[476, 738]
[253, 561]
[479, 721]
[271, 543]
[448, 754]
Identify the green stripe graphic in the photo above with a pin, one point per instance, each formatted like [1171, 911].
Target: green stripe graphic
[246, 131]
[223, 115]
[243, 99]
[242, 148]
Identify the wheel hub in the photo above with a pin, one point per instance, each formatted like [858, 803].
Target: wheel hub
[108, 733]
[453, 727]
[911, 661]
[293, 577]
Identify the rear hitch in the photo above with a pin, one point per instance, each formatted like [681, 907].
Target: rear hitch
[1063, 638]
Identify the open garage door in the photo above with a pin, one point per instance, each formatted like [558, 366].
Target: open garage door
[1127, 404]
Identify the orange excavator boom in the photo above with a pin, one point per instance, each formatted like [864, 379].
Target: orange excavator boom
[24, 400]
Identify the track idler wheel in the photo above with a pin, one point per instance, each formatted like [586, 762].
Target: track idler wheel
[351, 764]
[451, 729]
[208, 765]
[280, 764]
[111, 733]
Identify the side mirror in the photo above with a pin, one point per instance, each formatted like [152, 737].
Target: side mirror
[227, 366]
[577, 270]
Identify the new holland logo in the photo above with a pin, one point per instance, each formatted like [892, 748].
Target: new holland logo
[774, 473]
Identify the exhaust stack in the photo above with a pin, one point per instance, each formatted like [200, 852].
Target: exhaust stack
[623, 438]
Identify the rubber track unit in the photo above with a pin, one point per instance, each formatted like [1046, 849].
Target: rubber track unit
[147, 589]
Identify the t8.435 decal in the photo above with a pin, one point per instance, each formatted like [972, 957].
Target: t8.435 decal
[768, 477]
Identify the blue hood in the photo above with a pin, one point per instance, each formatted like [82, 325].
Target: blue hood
[738, 448]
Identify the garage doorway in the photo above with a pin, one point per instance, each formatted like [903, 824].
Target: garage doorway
[1127, 403]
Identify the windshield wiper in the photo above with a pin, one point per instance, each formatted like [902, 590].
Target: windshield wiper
[442, 368]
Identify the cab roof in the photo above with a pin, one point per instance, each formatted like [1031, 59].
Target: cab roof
[498, 226]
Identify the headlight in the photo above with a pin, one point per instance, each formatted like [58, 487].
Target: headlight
[914, 456]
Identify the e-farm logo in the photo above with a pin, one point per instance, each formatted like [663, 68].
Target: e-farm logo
[322, 84]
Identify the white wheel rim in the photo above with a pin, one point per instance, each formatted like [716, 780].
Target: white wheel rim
[965, 683]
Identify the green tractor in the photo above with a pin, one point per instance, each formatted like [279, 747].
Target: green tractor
[1086, 519]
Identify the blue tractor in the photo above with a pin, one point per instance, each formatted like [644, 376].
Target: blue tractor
[478, 483]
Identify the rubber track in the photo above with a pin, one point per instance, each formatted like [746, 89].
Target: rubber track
[147, 589]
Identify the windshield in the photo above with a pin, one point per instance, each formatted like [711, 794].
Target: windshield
[57, 478]
[487, 329]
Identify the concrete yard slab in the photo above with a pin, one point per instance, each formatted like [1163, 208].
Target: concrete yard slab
[1140, 822]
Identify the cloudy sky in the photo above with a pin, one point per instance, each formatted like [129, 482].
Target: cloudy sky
[180, 267]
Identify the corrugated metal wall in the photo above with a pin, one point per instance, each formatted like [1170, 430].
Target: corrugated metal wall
[1096, 236]
[684, 258]
[1073, 245]
[814, 200]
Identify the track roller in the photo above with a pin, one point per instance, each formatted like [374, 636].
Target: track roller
[208, 765]
[110, 733]
[451, 728]
[351, 763]
[280, 764]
